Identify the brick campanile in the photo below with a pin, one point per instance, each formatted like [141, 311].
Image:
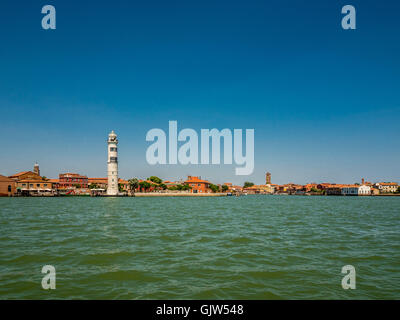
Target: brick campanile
[268, 178]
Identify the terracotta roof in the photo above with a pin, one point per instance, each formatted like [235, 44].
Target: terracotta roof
[195, 180]
[97, 180]
[20, 174]
[387, 183]
[72, 175]
[104, 180]
[33, 180]
[5, 179]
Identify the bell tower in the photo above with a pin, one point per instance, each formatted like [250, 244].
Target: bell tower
[268, 178]
[36, 169]
[112, 164]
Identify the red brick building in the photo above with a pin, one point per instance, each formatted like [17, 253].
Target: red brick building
[69, 180]
[7, 186]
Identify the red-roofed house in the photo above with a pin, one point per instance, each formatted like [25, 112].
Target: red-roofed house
[198, 185]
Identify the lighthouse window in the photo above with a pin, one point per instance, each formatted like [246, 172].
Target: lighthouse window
[113, 149]
[113, 159]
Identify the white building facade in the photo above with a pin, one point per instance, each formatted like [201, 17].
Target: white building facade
[112, 165]
[387, 187]
[356, 190]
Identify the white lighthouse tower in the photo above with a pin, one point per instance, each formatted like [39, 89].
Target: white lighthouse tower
[112, 164]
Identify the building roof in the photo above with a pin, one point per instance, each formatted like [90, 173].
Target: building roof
[17, 175]
[104, 180]
[20, 173]
[191, 179]
[387, 184]
[5, 179]
[36, 181]
[76, 175]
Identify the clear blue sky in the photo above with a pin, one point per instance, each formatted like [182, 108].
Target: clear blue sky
[324, 102]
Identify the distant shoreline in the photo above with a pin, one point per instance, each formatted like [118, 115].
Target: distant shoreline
[156, 194]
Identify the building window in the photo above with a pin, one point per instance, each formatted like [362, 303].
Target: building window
[45, 185]
[9, 188]
[38, 185]
[31, 185]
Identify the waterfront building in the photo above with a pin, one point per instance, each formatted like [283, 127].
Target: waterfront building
[98, 183]
[30, 182]
[7, 186]
[102, 183]
[356, 190]
[33, 186]
[112, 165]
[310, 186]
[55, 183]
[233, 189]
[387, 187]
[259, 189]
[198, 185]
[71, 180]
[334, 190]
[323, 186]
[374, 191]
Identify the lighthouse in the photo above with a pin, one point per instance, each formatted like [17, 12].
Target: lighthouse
[112, 164]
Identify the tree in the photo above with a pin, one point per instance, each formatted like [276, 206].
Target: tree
[180, 187]
[155, 179]
[93, 186]
[133, 184]
[213, 187]
[225, 188]
[398, 190]
[248, 184]
[145, 185]
[120, 187]
[163, 186]
[77, 185]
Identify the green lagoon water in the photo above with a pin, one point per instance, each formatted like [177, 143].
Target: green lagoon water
[254, 247]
